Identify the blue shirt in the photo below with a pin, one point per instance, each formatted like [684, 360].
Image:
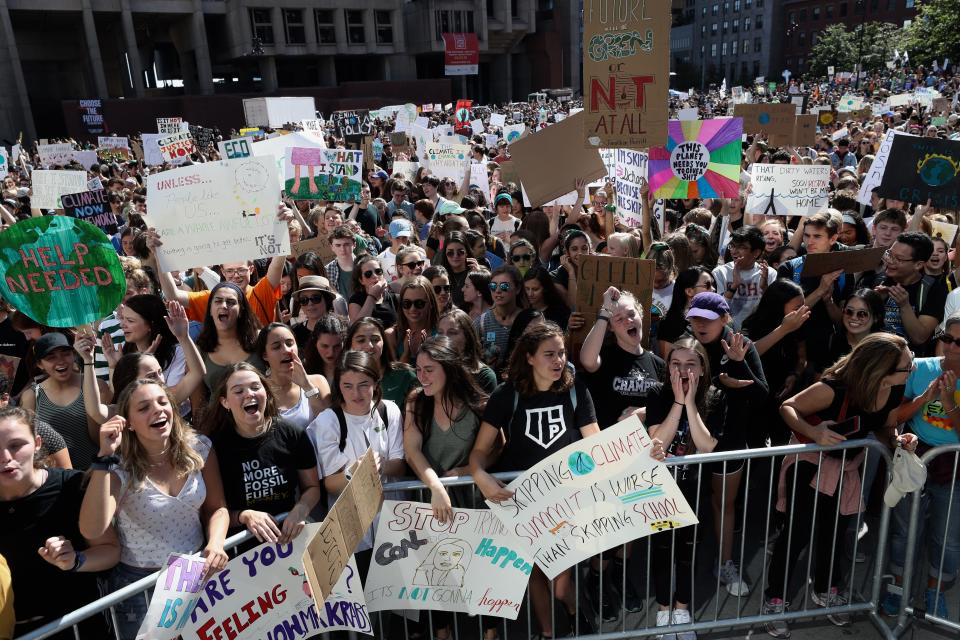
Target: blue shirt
[931, 423]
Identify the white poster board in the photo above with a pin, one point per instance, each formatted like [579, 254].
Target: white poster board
[498, 120]
[277, 149]
[176, 148]
[630, 170]
[593, 495]
[513, 132]
[221, 211]
[447, 160]
[55, 154]
[151, 150]
[471, 564]
[174, 597]
[408, 169]
[49, 185]
[874, 175]
[86, 158]
[113, 142]
[789, 189]
[478, 178]
[167, 126]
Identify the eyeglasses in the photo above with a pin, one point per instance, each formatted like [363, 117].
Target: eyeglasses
[305, 300]
[242, 271]
[911, 368]
[889, 257]
[367, 274]
[948, 339]
[522, 257]
[503, 286]
[441, 288]
[456, 252]
[859, 314]
[413, 264]
[419, 304]
[705, 287]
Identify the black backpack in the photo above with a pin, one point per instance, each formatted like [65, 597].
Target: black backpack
[342, 419]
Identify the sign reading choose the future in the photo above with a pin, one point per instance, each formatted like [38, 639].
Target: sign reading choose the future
[60, 271]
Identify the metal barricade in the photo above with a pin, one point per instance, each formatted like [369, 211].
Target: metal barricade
[938, 501]
[712, 607]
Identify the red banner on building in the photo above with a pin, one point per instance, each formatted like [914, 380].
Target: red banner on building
[461, 56]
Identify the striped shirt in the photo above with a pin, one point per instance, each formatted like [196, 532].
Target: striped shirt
[70, 421]
[110, 326]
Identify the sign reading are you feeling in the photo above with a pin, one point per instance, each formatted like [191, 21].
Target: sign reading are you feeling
[593, 495]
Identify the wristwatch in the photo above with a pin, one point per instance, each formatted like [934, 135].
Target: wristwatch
[312, 393]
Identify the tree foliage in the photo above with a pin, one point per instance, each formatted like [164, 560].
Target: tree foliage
[933, 35]
[842, 49]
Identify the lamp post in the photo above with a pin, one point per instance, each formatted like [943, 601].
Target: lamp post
[862, 7]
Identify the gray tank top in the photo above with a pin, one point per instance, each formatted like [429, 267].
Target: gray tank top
[69, 421]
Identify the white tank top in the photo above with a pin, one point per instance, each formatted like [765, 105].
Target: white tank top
[298, 414]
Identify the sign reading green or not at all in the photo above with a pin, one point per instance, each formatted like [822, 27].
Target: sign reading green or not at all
[60, 271]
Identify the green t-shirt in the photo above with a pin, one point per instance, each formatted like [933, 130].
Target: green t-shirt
[345, 283]
[397, 384]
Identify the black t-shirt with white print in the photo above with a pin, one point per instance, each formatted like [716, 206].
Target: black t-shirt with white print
[540, 425]
[261, 473]
[623, 380]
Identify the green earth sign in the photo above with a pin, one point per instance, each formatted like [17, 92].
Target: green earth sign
[60, 271]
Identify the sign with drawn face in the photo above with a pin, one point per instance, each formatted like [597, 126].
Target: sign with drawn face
[471, 564]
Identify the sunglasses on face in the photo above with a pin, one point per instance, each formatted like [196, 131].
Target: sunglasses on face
[413, 264]
[419, 304]
[503, 286]
[367, 274]
[456, 252]
[522, 257]
[948, 339]
[305, 300]
[441, 288]
[859, 314]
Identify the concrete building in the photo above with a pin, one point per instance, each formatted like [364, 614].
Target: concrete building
[56, 50]
[732, 40]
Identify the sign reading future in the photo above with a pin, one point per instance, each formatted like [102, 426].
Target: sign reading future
[60, 271]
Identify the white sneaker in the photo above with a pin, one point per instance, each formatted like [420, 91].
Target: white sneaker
[776, 628]
[682, 616]
[663, 620]
[729, 575]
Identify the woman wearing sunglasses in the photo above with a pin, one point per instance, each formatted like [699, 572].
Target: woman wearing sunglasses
[493, 327]
[440, 282]
[371, 294]
[862, 314]
[313, 300]
[523, 256]
[458, 263]
[417, 320]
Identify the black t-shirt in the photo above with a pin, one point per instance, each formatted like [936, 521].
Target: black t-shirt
[869, 420]
[927, 298]
[539, 425]
[261, 473]
[819, 324]
[25, 525]
[658, 407]
[385, 312]
[623, 380]
[670, 328]
[13, 343]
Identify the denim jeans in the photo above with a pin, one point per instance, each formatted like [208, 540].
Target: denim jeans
[131, 612]
[942, 537]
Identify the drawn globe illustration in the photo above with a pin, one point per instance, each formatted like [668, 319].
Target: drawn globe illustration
[937, 170]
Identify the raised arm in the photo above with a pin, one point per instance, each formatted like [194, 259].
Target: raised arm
[179, 326]
[103, 490]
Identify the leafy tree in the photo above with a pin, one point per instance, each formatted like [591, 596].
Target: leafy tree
[933, 34]
[843, 49]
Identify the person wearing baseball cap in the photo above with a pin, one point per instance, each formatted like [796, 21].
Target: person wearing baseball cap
[400, 232]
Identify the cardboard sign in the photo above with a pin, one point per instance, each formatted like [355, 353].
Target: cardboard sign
[940, 105]
[827, 117]
[597, 272]
[338, 535]
[352, 123]
[233, 149]
[55, 154]
[92, 207]
[701, 160]
[174, 597]
[169, 126]
[817, 264]
[49, 185]
[399, 142]
[270, 577]
[8, 371]
[626, 64]
[547, 181]
[318, 245]
[776, 120]
[789, 189]
[874, 175]
[921, 169]
[472, 564]
[593, 495]
[631, 169]
[447, 160]
[805, 130]
[324, 174]
[176, 148]
[113, 142]
[60, 271]
[223, 211]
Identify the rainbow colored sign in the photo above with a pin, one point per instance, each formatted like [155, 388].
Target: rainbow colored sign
[701, 160]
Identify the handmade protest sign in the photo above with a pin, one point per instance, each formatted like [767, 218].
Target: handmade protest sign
[922, 169]
[471, 564]
[789, 189]
[233, 149]
[86, 158]
[92, 207]
[701, 160]
[631, 169]
[264, 593]
[874, 175]
[224, 211]
[597, 272]
[176, 148]
[169, 125]
[341, 531]
[174, 597]
[8, 371]
[55, 154]
[545, 181]
[331, 174]
[408, 169]
[276, 150]
[4, 161]
[352, 123]
[203, 136]
[498, 120]
[805, 130]
[448, 160]
[49, 184]
[478, 178]
[817, 264]
[593, 495]
[113, 142]
[60, 271]
[318, 245]
[513, 132]
[944, 230]
[850, 102]
[774, 119]
[626, 64]
[827, 117]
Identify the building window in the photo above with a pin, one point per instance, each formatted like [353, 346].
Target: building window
[723, 49]
[747, 4]
[746, 23]
[293, 26]
[736, 5]
[759, 4]
[355, 33]
[453, 22]
[803, 15]
[261, 24]
[735, 26]
[802, 37]
[713, 29]
[726, 25]
[715, 10]
[746, 45]
[829, 11]
[816, 13]
[713, 50]
[326, 32]
[759, 22]
[384, 25]
[757, 45]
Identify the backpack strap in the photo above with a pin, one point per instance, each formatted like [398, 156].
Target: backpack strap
[382, 410]
[342, 419]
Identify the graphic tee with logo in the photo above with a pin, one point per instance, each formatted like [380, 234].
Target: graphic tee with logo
[540, 425]
[623, 380]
